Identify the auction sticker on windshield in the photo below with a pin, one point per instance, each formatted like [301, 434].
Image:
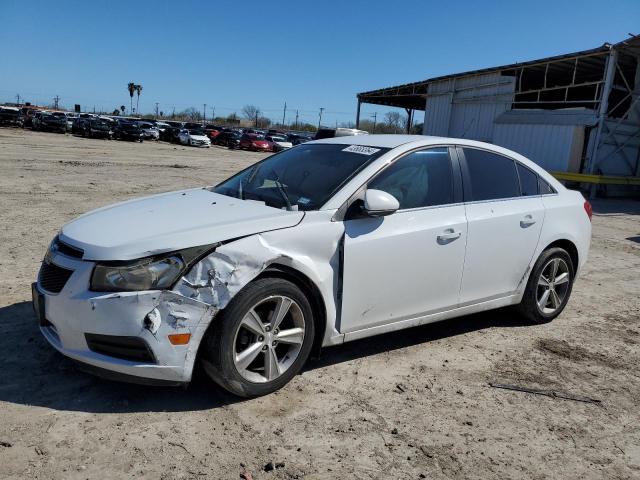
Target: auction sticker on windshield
[361, 149]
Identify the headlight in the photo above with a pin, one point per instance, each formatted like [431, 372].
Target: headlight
[152, 273]
[147, 274]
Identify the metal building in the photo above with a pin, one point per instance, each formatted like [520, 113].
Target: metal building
[578, 112]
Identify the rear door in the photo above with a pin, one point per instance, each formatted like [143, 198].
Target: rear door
[409, 263]
[504, 224]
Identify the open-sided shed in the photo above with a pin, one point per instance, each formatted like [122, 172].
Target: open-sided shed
[578, 112]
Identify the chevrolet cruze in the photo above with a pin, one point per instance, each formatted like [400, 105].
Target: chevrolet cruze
[327, 242]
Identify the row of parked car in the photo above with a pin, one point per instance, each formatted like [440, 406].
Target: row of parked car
[122, 128]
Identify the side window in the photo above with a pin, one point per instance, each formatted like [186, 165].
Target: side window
[528, 181]
[493, 176]
[419, 179]
[545, 188]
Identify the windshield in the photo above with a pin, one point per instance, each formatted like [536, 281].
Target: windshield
[196, 132]
[278, 139]
[305, 176]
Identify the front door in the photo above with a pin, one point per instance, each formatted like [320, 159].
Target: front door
[409, 263]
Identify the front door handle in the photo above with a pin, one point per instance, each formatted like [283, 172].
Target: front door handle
[449, 235]
[527, 221]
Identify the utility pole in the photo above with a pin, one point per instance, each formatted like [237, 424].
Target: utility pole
[18, 98]
[256, 119]
[296, 119]
[375, 118]
[56, 100]
[204, 117]
[213, 114]
[156, 110]
[320, 117]
[284, 114]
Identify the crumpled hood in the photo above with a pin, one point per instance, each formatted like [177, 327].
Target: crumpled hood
[170, 221]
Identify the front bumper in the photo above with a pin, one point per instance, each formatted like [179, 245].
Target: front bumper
[75, 311]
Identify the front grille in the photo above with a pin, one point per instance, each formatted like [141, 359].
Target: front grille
[53, 278]
[133, 349]
[67, 250]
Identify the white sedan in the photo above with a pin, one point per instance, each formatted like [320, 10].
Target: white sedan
[279, 142]
[328, 242]
[193, 137]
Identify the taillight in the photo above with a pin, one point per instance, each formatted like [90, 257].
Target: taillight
[588, 209]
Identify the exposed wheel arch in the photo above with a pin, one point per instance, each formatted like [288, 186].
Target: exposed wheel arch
[570, 248]
[310, 290]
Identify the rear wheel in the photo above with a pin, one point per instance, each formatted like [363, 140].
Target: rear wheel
[549, 286]
[261, 340]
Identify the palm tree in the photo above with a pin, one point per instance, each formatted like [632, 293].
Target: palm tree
[138, 91]
[132, 88]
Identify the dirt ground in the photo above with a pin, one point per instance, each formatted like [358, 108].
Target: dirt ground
[413, 404]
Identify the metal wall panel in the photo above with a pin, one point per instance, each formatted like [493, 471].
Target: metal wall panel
[553, 147]
[466, 107]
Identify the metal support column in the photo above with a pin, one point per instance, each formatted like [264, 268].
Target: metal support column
[358, 115]
[610, 70]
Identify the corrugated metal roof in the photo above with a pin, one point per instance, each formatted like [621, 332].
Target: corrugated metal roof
[405, 93]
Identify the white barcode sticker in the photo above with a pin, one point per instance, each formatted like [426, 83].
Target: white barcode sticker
[361, 149]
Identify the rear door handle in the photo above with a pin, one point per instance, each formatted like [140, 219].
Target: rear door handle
[527, 221]
[449, 235]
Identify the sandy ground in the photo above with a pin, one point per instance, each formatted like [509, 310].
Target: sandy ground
[413, 404]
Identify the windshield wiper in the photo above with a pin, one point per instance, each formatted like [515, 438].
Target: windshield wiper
[282, 191]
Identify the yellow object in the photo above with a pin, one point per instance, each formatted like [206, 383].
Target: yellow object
[600, 179]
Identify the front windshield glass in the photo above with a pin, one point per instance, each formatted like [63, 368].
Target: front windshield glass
[304, 177]
[196, 132]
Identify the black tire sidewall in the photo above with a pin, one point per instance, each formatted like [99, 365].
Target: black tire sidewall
[529, 305]
[219, 346]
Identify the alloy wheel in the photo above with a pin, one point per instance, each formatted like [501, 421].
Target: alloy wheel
[553, 285]
[268, 339]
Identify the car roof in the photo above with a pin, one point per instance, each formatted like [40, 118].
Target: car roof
[384, 141]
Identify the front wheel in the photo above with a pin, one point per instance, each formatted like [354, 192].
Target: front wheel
[549, 286]
[261, 340]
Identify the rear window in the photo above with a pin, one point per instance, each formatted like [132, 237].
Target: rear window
[528, 181]
[492, 176]
[544, 188]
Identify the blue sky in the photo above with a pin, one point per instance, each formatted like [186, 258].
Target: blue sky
[310, 54]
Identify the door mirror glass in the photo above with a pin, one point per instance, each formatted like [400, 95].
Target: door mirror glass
[378, 203]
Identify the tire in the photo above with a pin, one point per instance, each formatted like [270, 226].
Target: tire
[543, 280]
[229, 336]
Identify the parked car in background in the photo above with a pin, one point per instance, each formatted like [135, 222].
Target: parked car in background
[11, 116]
[212, 131]
[289, 255]
[149, 131]
[27, 116]
[192, 126]
[229, 139]
[255, 143]
[279, 142]
[338, 132]
[98, 128]
[35, 119]
[194, 137]
[52, 122]
[297, 139]
[70, 119]
[78, 125]
[127, 130]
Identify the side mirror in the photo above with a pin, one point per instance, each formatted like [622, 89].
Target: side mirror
[379, 204]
